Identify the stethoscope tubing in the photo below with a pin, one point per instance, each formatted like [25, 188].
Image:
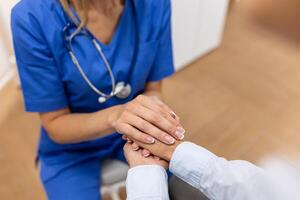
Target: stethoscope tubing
[83, 74]
[74, 59]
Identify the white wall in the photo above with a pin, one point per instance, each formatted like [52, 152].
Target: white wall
[6, 56]
[5, 7]
[197, 28]
[4, 64]
[6, 69]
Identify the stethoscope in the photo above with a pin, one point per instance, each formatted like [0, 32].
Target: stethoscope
[120, 89]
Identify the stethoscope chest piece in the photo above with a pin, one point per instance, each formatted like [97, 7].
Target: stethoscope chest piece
[122, 90]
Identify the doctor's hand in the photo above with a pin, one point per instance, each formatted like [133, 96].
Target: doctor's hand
[135, 158]
[158, 148]
[146, 119]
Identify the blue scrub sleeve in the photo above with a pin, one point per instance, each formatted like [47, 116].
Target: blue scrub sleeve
[163, 64]
[41, 82]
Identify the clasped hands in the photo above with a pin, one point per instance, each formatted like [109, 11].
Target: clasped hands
[152, 131]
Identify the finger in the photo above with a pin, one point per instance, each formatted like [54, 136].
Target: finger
[159, 149]
[126, 147]
[156, 158]
[135, 134]
[135, 146]
[160, 122]
[146, 153]
[150, 129]
[124, 137]
[159, 107]
[167, 108]
[175, 116]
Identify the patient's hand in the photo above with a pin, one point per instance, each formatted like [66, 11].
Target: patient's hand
[157, 148]
[135, 158]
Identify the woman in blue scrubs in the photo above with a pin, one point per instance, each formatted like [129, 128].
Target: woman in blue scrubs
[78, 132]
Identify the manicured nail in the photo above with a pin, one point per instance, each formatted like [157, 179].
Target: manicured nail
[135, 147]
[151, 140]
[181, 130]
[146, 155]
[180, 133]
[169, 139]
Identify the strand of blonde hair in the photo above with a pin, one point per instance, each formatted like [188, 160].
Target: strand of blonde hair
[82, 8]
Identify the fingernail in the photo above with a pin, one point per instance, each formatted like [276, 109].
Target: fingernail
[134, 148]
[150, 140]
[180, 133]
[146, 155]
[169, 139]
[180, 130]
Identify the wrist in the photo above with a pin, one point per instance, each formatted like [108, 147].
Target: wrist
[153, 93]
[113, 116]
[169, 151]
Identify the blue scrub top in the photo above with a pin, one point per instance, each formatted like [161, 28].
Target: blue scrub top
[50, 81]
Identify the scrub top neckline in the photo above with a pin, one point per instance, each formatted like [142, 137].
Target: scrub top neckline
[116, 32]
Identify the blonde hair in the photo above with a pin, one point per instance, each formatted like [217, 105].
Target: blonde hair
[82, 9]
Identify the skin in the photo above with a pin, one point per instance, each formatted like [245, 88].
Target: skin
[145, 119]
[158, 149]
[135, 158]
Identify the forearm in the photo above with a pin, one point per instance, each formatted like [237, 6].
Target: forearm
[74, 128]
[147, 182]
[216, 177]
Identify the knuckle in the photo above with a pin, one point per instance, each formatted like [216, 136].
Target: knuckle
[171, 129]
[123, 129]
[163, 113]
[119, 128]
[118, 123]
[144, 125]
[154, 118]
[125, 114]
[141, 137]
[173, 121]
[159, 134]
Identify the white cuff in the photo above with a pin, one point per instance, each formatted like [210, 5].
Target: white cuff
[189, 162]
[147, 182]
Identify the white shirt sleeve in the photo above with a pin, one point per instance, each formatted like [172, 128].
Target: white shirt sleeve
[147, 182]
[216, 177]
